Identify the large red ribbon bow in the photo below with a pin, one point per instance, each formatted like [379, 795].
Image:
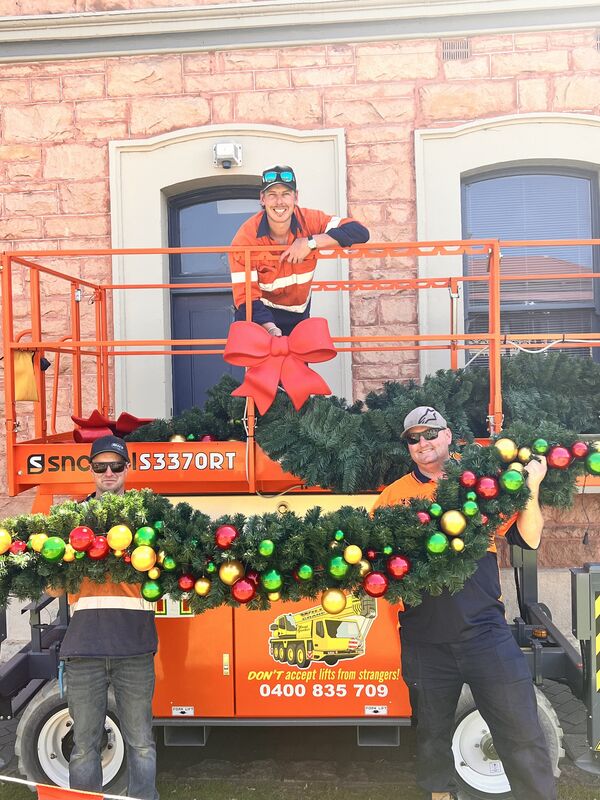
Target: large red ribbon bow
[280, 359]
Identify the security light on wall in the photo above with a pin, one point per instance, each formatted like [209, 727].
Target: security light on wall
[227, 155]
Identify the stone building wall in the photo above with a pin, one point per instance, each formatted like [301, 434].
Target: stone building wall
[57, 118]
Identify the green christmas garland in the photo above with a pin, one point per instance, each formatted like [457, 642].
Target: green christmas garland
[399, 552]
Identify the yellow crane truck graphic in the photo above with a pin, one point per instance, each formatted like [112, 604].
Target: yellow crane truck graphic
[315, 635]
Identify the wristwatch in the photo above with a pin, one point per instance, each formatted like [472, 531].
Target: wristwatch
[311, 242]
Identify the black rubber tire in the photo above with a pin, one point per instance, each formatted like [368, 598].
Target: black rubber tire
[550, 726]
[44, 706]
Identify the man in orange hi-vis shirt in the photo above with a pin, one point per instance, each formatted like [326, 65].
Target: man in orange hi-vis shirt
[281, 285]
[111, 640]
[452, 639]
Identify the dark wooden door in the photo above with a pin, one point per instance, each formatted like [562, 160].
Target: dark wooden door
[207, 218]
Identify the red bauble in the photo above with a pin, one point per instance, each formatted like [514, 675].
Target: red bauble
[225, 536]
[484, 519]
[253, 576]
[17, 547]
[375, 584]
[186, 583]
[423, 517]
[81, 538]
[580, 449]
[208, 437]
[243, 590]
[559, 457]
[371, 554]
[468, 479]
[127, 558]
[487, 487]
[398, 566]
[99, 548]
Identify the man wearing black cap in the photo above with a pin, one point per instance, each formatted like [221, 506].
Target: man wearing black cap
[281, 282]
[111, 640]
[452, 639]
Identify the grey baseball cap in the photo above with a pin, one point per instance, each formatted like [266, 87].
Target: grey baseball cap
[424, 417]
[109, 444]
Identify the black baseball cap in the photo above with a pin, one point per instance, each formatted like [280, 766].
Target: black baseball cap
[274, 175]
[110, 444]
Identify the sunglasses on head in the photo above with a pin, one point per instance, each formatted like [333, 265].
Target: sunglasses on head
[428, 435]
[99, 467]
[275, 175]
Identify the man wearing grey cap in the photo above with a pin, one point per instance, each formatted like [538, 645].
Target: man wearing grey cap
[111, 641]
[452, 639]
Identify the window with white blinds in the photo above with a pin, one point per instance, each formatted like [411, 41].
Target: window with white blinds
[535, 204]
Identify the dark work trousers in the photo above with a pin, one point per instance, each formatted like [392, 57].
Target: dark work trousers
[492, 664]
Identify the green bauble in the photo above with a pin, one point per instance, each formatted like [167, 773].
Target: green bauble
[271, 580]
[437, 543]
[305, 572]
[145, 535]
[339, 536]
[53, 549]
[158, 525]
[338, 567]
[470, 508]
[80, 554]
[210, 567]
[152, 591]
[471, 495]
[388, 550]
[540, 447]
[511, 481]
[266, 548]
[435, 510]
[592, 463]
[169, 564]
[190, 437]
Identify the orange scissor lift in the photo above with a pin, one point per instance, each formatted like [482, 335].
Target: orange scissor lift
[230, 665]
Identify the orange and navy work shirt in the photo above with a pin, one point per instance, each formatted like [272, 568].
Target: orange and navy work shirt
[284, 287]
[109, 620]
[477, 607]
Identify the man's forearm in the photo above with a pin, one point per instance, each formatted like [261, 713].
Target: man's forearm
[530, 521]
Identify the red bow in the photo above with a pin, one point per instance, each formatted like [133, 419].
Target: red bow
[275, 359]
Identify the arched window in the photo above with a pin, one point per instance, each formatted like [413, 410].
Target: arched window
[205, 218]
[535, 203]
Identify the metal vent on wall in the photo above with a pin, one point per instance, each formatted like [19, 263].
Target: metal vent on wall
[456, 49]
[598, 41]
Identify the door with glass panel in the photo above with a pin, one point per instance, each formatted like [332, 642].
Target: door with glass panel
[206, 218]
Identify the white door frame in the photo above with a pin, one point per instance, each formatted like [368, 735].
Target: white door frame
[144, 173]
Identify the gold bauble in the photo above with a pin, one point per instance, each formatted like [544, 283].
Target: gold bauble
[457, 545]
[154, 573]
[202, 587]
[516, 465]
[595, 446]
[453, 523]
[177, 437]
[143, 558]
[69, 554]
[507, 448]
[119, 537]
[160, 557]
[5, 540]
[333, 601]
[274, 596]
[524, 455]
[353, 554]
[36, 540]
[364, 567]
[231, 571]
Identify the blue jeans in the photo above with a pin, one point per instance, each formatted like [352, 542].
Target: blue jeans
[494, 667]
[132, 680]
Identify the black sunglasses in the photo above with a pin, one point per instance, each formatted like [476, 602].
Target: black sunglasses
[99, 467]
[428, 435]
[273, 175]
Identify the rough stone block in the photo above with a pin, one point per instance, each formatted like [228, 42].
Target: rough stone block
[324, 76]
[396, 66]
[467, 101]
[272, 79]
[31, 203]
[577, 92]
[534, 63]
[77, 87]
[75, 161]
[158, 114]
[40, 122]
[144, 76]
[301, 107]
